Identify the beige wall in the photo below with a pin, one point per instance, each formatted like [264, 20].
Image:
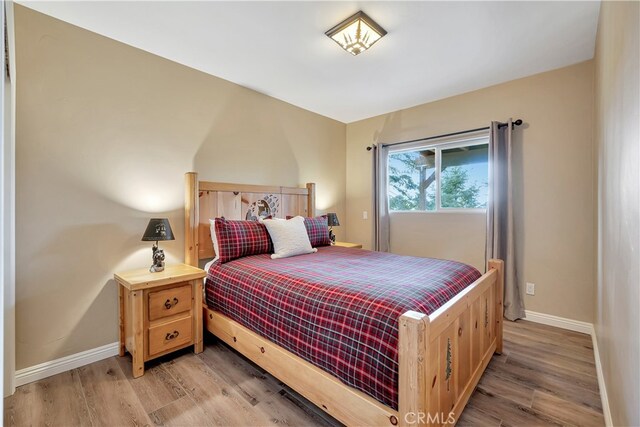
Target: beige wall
[105, 133]
[553, 175]
[618, 142]
[440, 236]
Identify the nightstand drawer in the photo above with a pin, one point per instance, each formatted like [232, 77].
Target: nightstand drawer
[167, 336]
[169, 302]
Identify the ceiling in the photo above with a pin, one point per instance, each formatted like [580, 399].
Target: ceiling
[433, 50]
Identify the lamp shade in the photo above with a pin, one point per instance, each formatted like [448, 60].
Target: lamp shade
[158, 229]
[332, 219]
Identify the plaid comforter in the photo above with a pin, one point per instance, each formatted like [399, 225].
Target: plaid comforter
[338, 308]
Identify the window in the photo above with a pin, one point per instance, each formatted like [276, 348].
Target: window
[448, 176]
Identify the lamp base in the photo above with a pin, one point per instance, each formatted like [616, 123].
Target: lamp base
[158, 259]
[156, 269]
[332, 237]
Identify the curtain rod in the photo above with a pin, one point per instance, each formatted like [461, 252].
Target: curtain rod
[501, 125]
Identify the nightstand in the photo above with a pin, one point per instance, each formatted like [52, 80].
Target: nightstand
[348, 245]
[159, 312]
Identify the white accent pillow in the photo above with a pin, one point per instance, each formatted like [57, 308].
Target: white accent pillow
[289, 237]
[214, 238]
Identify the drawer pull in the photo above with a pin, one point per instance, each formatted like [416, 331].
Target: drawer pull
[168, 304]
[171, 336]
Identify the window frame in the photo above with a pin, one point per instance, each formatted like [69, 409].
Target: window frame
[469, 141]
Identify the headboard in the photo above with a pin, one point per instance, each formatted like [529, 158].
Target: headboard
[205, 200]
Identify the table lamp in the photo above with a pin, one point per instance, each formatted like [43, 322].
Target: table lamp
[332, 221]
[157, 229]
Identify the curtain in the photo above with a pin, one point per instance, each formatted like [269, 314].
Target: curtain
[500, 236]
[380, 199]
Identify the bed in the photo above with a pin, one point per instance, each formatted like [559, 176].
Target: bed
[371, 338]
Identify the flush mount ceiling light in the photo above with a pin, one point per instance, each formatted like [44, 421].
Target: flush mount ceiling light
[357, 33]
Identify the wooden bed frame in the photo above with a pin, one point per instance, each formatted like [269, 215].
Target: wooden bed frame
[441, 356]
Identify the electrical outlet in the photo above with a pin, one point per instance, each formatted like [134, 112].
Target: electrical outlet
[365, 215]
[531, 288]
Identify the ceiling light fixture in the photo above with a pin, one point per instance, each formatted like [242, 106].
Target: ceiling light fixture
[357, 33]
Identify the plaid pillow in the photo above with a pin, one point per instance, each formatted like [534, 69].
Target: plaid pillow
[237, 238]
[318, 230]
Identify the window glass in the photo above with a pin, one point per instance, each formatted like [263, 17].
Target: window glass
[412, 180]
[464, 174]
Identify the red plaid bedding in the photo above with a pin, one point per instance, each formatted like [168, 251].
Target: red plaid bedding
[338, 308]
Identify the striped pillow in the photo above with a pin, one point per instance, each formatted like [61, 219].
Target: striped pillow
[318, 230]
[238, 238]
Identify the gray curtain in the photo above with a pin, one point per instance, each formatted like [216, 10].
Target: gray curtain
[500, 235]
[380, 199]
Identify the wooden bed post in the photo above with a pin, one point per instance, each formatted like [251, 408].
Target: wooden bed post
[498, 265]
[311, 199]
[191, 220]
[413, 390]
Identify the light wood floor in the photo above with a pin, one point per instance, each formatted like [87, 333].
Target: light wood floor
[546, 376]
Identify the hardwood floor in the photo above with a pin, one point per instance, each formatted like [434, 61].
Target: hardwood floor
[546, 376]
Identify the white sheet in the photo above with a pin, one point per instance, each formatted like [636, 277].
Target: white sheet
[206, 268]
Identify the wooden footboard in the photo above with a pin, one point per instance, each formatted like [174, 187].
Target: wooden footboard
[442, 356]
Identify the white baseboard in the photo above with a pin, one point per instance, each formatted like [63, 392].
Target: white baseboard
[559, 322]
[53, 367]
[606, 409]
[585, 328]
